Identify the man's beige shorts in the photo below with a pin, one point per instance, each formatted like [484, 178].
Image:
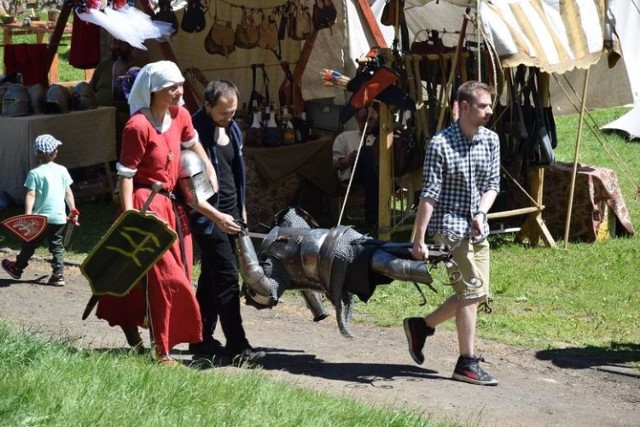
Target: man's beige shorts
[473, 263]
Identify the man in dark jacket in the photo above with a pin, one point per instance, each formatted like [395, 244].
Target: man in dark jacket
[218, 292]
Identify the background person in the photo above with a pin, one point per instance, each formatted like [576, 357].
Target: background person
[48, 188]
[107, 82]
[345, 148]
[218, 290]
[152, 139]
[461, 181]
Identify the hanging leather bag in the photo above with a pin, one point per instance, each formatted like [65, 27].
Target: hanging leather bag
[193, 20]
[389, 12]
[246, 36]
[301, 24]
[220, 39]
[324, 14]
[268, 33]
[166, 14]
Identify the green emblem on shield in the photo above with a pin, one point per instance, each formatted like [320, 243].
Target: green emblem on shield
[126, 252]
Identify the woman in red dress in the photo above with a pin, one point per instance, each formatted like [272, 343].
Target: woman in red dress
[151, 142]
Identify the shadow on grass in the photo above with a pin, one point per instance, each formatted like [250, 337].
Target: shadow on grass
[617, 354]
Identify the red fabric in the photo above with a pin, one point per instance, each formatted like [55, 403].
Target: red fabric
[85, 45]
[596, 188]
[175, 315]
[382, 78]
[28, 59]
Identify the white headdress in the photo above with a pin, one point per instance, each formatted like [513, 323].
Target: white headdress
[153, 77]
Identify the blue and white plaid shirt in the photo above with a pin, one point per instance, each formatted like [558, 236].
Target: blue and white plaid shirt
[457, 172]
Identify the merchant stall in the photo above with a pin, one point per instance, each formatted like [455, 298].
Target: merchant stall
[33, 103]
[286, 55]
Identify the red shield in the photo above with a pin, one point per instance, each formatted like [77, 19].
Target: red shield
[26, 227]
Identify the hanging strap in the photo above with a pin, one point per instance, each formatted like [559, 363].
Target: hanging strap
[253, 76]
[265, 79]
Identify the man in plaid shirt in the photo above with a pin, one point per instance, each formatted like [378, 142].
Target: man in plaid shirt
[461, 181]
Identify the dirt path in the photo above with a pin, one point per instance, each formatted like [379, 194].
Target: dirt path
[374, 367]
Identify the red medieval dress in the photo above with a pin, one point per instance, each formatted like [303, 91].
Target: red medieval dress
[175, 315]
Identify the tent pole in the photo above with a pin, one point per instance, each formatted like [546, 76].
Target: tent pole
[385, 144]
[478, 52]
[574, 172]
[372, 23]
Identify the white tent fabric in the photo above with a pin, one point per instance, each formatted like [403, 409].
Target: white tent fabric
[554, 36]
[625, 18]
[629, 123]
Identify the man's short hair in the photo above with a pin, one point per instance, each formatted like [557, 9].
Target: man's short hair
[468, 90]
[220, 88]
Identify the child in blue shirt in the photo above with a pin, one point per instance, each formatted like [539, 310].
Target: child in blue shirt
[48, 188]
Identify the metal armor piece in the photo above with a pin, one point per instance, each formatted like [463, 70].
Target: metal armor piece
[15, 102]
[37, 97]
[3, 90]
[322, 259]
[297, 249]
[193, 185]
[313, 300]
[84, 97]
[58, 100]
[261, 288]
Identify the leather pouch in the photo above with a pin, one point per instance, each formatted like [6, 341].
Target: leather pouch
[246, 35]
[324, 14]
[268, 33]
[193, 20]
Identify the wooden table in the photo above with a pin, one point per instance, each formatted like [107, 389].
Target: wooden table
[37, 28]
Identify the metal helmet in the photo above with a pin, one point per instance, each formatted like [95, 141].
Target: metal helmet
[84, 97]
[58, 99]
[37, 97]
[3, 89]
[15, 102]
[193, 185]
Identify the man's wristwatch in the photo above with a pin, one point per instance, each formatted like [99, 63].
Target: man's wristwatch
[483, 213]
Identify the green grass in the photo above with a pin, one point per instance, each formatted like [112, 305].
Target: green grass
[48, 382]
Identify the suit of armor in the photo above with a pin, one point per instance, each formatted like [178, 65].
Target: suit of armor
[338, 262]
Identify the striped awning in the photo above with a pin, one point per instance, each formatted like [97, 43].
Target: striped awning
[553, 35]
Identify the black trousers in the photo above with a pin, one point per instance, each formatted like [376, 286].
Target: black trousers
[54, 235]
[218, 292]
